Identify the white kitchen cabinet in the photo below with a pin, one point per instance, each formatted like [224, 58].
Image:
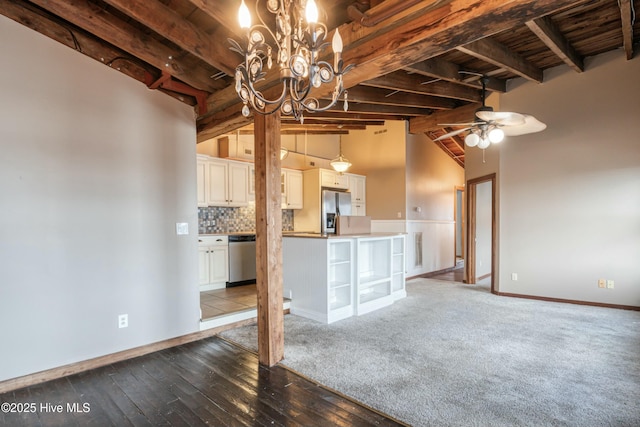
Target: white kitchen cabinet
[332, 179]
[213, 262]
[318, 277]
[292, 189]
[331, 278]
[222, 182]
[358, 190]
[236, 147]
[201, 179]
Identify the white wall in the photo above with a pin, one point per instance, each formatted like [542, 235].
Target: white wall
[94, 173]
[570, 196]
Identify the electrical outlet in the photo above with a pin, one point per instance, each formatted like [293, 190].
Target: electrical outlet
[602, 283]
[610, 284]
[123, 321]
[514, 276]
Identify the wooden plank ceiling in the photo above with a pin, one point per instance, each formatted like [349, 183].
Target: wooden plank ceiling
[407, 54]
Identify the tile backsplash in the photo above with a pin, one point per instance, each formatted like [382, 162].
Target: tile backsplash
[216, 219]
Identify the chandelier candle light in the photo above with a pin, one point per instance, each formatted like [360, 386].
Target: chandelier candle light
[297, 42]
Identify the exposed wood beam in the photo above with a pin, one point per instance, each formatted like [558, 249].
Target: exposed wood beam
[221, 12]
[373, 95]
[221, 122]
[434, 121]
[269, 239]
[548, 32]
[413, 36]
[626, 15]
[331, 123]
[351, 115]
[441, 69]
[73, 37]
[165, 21]
[501, 56]
[363, 108]
[317, 131]
[98, 21]
[414, 83]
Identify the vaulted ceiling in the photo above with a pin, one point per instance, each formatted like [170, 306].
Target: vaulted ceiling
[408, 55]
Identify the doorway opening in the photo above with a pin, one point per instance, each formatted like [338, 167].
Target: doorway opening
[459, 215]
[481, 231]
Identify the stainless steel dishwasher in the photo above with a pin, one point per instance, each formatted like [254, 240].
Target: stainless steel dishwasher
[242, 259]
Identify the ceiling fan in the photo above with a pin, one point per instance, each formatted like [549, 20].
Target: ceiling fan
[491, 126]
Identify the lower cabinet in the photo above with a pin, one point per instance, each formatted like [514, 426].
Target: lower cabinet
[329, 279]
[213, 262]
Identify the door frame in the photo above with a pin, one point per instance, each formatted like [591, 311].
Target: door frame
[470, 259]
[463, 221]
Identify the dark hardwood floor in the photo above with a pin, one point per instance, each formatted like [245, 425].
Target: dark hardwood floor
[208, 382]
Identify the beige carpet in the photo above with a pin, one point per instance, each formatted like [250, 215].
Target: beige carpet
[455, 355]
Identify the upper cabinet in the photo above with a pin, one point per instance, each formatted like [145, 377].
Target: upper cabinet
[222, 182]
[292, 189]
[332, 179]
[358, 188]
[236, 147]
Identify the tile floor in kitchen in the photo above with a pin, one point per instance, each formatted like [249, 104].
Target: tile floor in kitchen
[220, 302]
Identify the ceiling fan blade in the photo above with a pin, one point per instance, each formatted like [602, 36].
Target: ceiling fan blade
[531, 125]
[503, 118]
[450, 134]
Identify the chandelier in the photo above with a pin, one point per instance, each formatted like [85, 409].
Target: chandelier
[296, 46]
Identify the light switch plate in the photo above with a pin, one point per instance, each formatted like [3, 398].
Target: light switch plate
[182, 228]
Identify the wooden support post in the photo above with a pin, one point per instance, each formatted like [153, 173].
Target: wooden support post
[269, 239]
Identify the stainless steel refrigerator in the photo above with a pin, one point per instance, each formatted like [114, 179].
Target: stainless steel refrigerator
[334, 203]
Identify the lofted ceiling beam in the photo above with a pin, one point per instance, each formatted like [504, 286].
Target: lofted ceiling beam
[627, 17]
[549, 33]
[499, 55]
[372, 95]
[423, 124]
[441, 69]
[161, 19]
[415, 83]
[102, 24]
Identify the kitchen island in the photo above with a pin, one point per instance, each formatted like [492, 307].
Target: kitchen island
[331, 277]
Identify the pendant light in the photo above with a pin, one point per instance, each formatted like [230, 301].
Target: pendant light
[340, 163]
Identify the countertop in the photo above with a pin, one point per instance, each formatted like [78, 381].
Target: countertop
[306, 235]
[342, 236]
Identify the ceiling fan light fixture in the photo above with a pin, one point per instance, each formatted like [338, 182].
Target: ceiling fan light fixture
[484, 143]
[496, 135]
[472, 139]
